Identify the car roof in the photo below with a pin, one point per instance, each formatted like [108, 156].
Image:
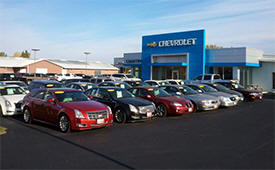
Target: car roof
[60, 89]
[46, 81]
[144, 87]
[9, 85]
[81, 83]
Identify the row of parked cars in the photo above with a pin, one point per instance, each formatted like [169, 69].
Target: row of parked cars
[85, 105]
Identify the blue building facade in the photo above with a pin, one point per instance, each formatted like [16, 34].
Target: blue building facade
[185, 49]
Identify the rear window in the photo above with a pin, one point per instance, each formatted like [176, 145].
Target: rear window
[207, 77]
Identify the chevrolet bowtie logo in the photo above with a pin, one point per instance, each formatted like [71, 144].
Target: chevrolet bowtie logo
[152, 44]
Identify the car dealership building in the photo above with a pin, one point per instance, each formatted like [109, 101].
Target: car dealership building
[182, 55]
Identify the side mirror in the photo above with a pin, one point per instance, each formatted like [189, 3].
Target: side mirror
[91, 97]
[50, 100]
[148, 96]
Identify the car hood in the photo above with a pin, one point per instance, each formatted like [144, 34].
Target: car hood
[198, 97]
[13, 98]
[174, 99]
[232, 92]
[218, 94]
[85, 105]
[134, 101]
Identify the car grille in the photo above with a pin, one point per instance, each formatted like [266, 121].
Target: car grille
[97, 115]
[146, 109]
[232, 98]
[188, 105]
[18, 105]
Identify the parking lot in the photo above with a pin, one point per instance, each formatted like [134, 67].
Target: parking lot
[236, 137]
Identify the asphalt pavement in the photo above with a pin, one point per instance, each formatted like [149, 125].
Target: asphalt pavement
[240, 137]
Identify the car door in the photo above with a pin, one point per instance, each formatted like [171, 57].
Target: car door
[51, 109]
[37, 105]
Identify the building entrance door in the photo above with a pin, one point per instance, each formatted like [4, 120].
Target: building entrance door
[175, 74]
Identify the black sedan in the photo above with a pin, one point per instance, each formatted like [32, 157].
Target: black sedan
[125, 106]
[120, 84]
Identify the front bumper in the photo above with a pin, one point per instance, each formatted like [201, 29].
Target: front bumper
[83, 124]
[204, 106]
[180, 109]
[229, 103]
[10, 111]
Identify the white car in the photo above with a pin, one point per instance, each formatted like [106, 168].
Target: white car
[60, 77]
[122, 77]
[11, 97]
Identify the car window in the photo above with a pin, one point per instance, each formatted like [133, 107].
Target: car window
[207, 77]
[120, 93]
[143, 92]
[196, 88]
[39, 95]
[173, 89]
[217, 77]
[76, 86]
[198, 78]
[173, 83]
[134, 91]
[158, 92]
[11, 91]
[48, 95]
[187, 90]
[101, 93]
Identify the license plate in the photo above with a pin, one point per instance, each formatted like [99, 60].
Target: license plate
[190, 110]
[149, 114]
[100, 121]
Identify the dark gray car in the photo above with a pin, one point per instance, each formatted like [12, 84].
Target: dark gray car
[200, 101]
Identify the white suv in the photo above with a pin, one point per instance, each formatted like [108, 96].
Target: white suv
[122, 77]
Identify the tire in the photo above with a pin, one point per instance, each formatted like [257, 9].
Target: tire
[27, 116]
[1, 112]
[161, 110]
[64, 123]
[120, 116]
[195, 107]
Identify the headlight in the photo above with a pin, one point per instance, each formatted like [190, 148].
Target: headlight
[133, 108]
[176, 104]
[7, 103]
[204, 101]
[78, 114]
[110, 110]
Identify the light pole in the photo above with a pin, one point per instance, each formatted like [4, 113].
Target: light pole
[86, 53]
[34, 51]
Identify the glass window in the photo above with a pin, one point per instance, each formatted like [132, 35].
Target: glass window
[71, 96]
[198, 78]
[158, 92]
[39, 95]
[207, 77]
[208, 88]
[48, 95]
[187, 90]
[217, 77]
[134, 91]
[11, 91]
[101, 93]
[120, 93]
[143, 92]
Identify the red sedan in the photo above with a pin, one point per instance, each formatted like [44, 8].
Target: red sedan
[165, 103]
[69, 109]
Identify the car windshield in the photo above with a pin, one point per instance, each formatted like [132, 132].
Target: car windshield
[21, 84]
[71, 96]
[124, 85]
[143, 84]
[130, 76]
[11, 91]
[220, 87]
[187, 90]
[120, 93]
[87, 86]
[158, 92]
[208, 88]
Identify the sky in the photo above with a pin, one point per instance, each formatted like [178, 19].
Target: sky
[64, 29]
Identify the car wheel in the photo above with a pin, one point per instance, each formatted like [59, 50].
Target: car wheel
[1, 112]
[27, 116]
[64, 123]
[195, 106]
[120, 116]
[161, 110]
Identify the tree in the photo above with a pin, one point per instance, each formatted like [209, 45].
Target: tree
[25, 54]
[3, 54]
[212, 46]
[17, 54]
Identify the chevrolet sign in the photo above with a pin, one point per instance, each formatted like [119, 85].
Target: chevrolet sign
[173, 43]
